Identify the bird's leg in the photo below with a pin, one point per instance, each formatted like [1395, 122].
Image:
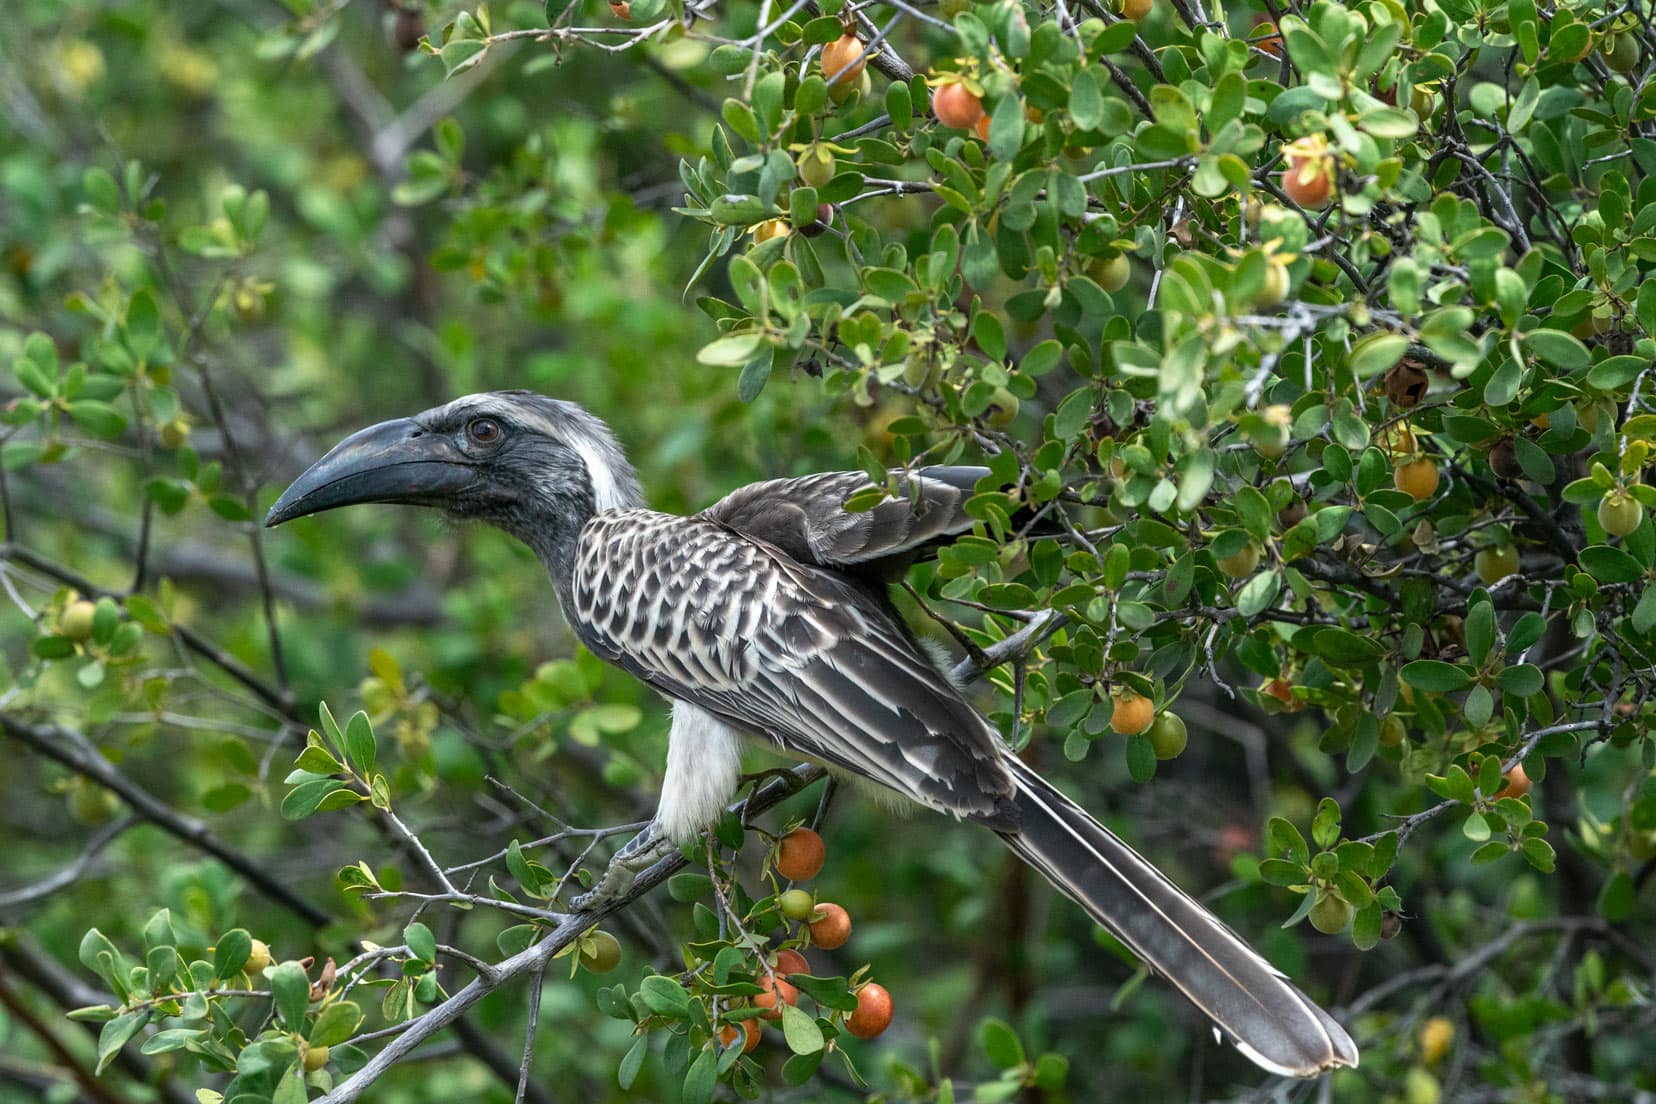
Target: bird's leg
[703, 759]
[641, 852]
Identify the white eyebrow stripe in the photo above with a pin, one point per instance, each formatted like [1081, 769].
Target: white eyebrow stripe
[606, 488]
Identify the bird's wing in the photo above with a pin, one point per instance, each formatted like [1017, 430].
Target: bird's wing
[788, 651]
[806, 517]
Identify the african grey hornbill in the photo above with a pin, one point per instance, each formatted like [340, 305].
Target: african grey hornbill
[766, 615]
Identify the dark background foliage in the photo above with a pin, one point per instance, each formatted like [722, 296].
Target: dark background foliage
[231, 232]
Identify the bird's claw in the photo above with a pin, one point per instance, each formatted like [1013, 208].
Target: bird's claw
[640, 853]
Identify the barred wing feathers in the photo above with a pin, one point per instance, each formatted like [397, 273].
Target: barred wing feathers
[787, 651]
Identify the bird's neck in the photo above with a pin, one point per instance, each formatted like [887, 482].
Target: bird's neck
[555, 533]
[556, 543]
[554, 509]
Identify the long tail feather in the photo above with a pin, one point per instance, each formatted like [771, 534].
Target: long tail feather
[1269, 1020]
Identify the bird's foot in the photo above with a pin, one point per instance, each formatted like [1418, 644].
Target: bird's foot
[641, 852]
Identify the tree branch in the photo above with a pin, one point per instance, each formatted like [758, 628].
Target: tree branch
[535, 959]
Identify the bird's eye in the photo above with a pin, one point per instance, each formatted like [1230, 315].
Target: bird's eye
[483, 431]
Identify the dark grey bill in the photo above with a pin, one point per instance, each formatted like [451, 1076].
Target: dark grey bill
[394, 461]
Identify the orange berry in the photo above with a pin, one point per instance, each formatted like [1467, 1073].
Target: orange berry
[873, 1014]
[800, 855]
[777, 991]
[1132, 714]
[771, 228]
[1416, 478]
[843, 54]
[1270, 43]
[1240, 564]
[1517, 783]
[955, 106]
[832, 927]
[791, 962]
[1308, 181]
[1283, 691]
[750, 1028]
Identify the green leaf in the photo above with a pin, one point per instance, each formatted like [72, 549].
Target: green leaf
[421, 942]
[729, 352]
[176, 1038]
[1476, 828]
[1086, 100]
[316, 760]
[102, 193]
[633, 1062]
[290, 1089]
[1435, 675]
[516, 939]
[1259, 593]
[801, 1030]
[520, 868]
[690, 886]
[1610, 565]
[701, 1079]
[335, 1023]
[98, 418]
[291, 989]
[1001, 1043]
[303, 799]
[1343, 648]
[1616, 898]
[802, 1067]
[1006, 126]
[142, 325]
[228, 507]
[1644, 614]
[1376, 353]
[755, 374]
[1141, 758]
[117, 1033]
[1539, 854]
[1616, 372]
[1521, 680]
[230, 953]
[665, 997]
[359, 743]
[1557, 348]
[1051, 1071]
[1325, 826]
[223, 798]
[1281, 837]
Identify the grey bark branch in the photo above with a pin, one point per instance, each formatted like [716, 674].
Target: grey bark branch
[535, 959]
[75, 752]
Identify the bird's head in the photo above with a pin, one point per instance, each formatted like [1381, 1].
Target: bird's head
[511, 458]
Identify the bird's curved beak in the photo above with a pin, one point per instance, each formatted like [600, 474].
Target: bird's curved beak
[394, 461]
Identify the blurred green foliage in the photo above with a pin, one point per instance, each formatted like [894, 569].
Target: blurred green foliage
[1332, 340]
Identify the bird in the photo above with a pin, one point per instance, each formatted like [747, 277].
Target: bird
[768, 617]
